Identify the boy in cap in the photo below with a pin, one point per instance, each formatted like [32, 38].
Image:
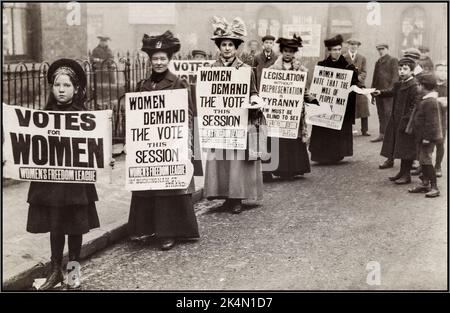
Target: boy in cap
[198, 55]
[426, 126]
[414, 54]
[397, 144]
[266, 58]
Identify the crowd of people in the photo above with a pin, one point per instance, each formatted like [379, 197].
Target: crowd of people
[410, 98]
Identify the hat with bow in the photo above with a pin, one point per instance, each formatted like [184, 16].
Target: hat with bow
[294, 43]
[165, 42]
[225, 30]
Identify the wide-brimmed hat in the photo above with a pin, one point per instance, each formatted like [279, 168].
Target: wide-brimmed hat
[165, 42]
[333, 41]
[295, 42]
[353, 41]
[225, 30]
[73, 65]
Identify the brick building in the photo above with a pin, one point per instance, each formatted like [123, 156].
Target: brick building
[46, 31]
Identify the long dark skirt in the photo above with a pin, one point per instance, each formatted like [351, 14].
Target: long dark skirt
[171, 216]
[293, 157]
[329, 145]
[70, 220]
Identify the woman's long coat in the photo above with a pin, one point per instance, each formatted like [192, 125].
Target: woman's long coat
[165, 213]
[397, 144]
[330, 145]
[293, 157]
[233, 179]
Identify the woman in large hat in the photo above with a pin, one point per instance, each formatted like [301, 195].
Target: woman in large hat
[233, 180]
[292, 153]
[166, 214]
[63, 208]
[329, 146]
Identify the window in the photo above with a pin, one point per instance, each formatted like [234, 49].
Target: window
[413, 28]
[340, 22]
[269, 21]
[21, 31]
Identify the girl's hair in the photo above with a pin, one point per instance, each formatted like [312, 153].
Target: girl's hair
[236, 42]
[78, 100]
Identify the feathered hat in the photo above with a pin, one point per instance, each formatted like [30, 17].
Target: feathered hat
[225, 30]
[295, 42]
[165, 42]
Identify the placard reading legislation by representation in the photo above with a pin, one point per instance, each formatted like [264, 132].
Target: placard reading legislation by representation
[283, 92]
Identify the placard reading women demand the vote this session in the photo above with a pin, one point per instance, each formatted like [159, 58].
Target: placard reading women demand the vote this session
[331, 87]
[283, 92]
[222, 102]
[157, 140]
[55, 146]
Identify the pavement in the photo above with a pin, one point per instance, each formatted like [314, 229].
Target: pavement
[323, 231]
[343, 227]
[26, 256]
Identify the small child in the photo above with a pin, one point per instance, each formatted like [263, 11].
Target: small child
[397, 144]
[426, 126]
[442, 89]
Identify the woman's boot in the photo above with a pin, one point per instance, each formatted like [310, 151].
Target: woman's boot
[424, 186]
[56, 276]
[406, 177]
[400, 173]
[434, 192]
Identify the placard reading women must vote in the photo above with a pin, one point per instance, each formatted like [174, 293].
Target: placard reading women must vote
[55, 146]
[222, 102]
[331, 87]
[157, 140]
[188, 69]
[283, 92]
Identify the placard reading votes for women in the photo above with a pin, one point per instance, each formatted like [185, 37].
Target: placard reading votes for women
[283, 93]
[54, 146]
[157, 140]
[188, 69]
[331, 87]
[222, 102]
